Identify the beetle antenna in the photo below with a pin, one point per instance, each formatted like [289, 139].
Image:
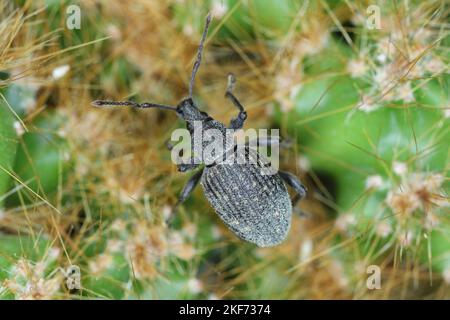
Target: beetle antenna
[199, 54]
[102, 103]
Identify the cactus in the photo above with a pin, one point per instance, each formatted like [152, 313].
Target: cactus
[90, 189]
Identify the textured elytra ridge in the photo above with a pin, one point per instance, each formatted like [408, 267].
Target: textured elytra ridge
[255, 206]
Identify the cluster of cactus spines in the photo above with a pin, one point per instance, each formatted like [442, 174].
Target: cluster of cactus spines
[368, 107]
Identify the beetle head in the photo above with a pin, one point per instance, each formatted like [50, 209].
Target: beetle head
[188, 111]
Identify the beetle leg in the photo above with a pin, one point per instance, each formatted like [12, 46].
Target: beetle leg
[296, 184]
[238, 122]
[187, 190]
[187, 166]
[276, 140]
[190, 186]
[269, 141]
[168, 144]
[183, 167]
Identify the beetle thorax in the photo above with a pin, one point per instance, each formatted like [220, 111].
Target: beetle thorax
[188, 111]
[206, 133]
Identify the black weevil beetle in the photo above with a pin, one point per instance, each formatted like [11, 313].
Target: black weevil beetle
[256, 207]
